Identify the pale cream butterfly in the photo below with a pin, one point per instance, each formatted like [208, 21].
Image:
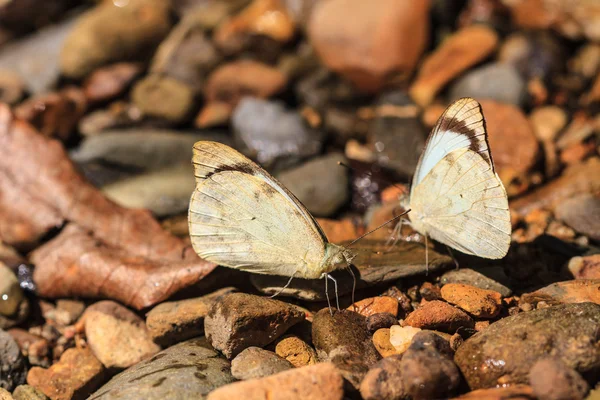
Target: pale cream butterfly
[456, 196]
[241, 217]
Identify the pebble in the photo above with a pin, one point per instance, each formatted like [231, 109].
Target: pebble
[255, 362]
[117, 336]
[320, 381]
[320, 184]
[12, 87]
[230, 82]
[581, 213]
[74, 376]
[163, 97]
[375, 305]
[13, 368]
[404, 302]
[587, 267]
[36, 348]
[382, 343]
[5, 395]
[551, 379]
[368, 45]
[107, 83]
[340, 230]
[187, 370]
[512, 392]
[107, 32]
[296, 351]
[343, 339]
[164, 192]
[428, 291]
[67, 311]
[384, 380]
[118, 115]
[547, 122]
[175, 321]
[439, 315]
[11, 294]
[495, 81]
[483, 279]
[510, 347]
[272, 133]
[27, 392]
[401, 337]
[239, 320]
[575, 291]
[463, 49]
[478, 302]
[381, 320]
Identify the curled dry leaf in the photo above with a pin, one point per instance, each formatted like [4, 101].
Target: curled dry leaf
[106, 251]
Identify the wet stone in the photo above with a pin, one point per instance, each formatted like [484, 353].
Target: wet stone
[553, 380]
[380, 320]
[505, 352]
[587, 267]
[478, 302]
[439, 315]
[482, 280]
[581, 213]
[402, 336]
[574, 291]
[27, 392]
[296, 351]
[384, 380]
[382, 343]
[239, 320]
[13, 368]
[255, 362]
[375, 305]
[190, 369]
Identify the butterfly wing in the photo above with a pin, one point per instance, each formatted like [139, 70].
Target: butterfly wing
[457, 198]
[241, 217]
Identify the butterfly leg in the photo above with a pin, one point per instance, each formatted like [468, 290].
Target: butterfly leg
[353, 282]
[285, 287]
[426, 256]
[452, 255]
[327, 293]
[337, 298]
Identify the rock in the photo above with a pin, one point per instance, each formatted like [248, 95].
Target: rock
[381, 320]
[551, 379]
[16, 318]
[163, 97]
[547, 122]
[384, 380]
[382, 343]
[587, 267]
[577, 291]
[375, 305]
[320, 381]
[229, 83]
[369, 45]
[35, 58]
[521, 392]
[273, 134]
[12, 87]
[427, 372]
[428, 291]
[116, 335]
[439, 315]
[11, 295]
[13, 368]
[320, 184]
[494, 81]
[239, 320]
[118, 115]
[396, 133]
[401, 337]
[342, 338]
[581, 213]
[164, 192]
[67, 311]
[463, 49]
[174, 321]
[296, 351]
[27, 392]
[511, 346]
[187, 370]
[110, 33]
[5, 395]
[338, 231]
[471, 277]
[481, 303]
[404, 302]
[36, 348]
[255, 362]
[74, 376]
[107, 83]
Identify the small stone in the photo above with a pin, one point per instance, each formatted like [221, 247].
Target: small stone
[512, 392]
[239, 320]
[576, 291]
[12, 87]
[439, 315]
[384, 380]
[296, 351]
[27, 392]
[382, 343]
[187, 370]
[36, 348]
[581, 213]
[338, 231]
[551, 379]
[116, 335]
[68, 311]
[109, 82]
[547, 122]
[478, 279]
[5, 395]
[342, 338]
[404, 302]
[74, 376]
[11, 294]
[369, 45]
[494, 81]
[175, 321]
[481, 325]
[13, 367]
[429, 291]
[401, 337]
[381, 320]
[320, 184]
[587, 267]
[375, 305]
[255, 362]
[273, 134]
[320, 381]
[512, 345]
[163, 97]
[109, 32]
[478, 302]
[465, 48]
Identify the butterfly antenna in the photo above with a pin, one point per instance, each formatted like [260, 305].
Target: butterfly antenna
[379, 227]
[452, 255]
[353, 285]
[335, 286]
[285, 287]
[369, 174]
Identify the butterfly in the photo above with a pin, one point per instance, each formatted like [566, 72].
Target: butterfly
[456, 196]
[241, 217]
